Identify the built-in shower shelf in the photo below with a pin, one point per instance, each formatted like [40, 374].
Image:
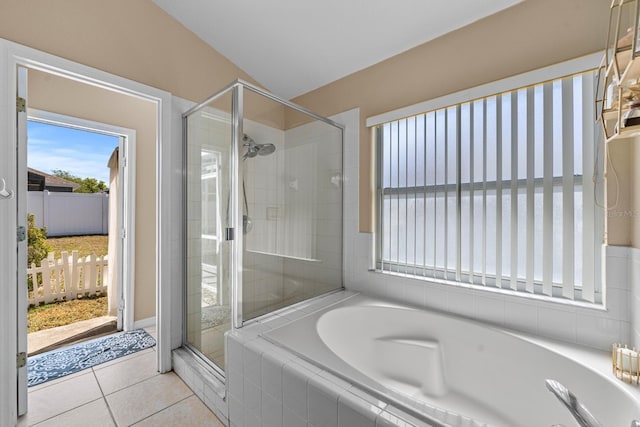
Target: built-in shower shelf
[297, 258]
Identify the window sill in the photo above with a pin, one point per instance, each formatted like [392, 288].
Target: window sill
[499, 291]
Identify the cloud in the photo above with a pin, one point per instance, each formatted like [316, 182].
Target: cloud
[81, 153]
[76, 163]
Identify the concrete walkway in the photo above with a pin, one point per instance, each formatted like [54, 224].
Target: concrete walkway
[50, 339]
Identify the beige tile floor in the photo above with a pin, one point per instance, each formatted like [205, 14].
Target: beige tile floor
[124, 392]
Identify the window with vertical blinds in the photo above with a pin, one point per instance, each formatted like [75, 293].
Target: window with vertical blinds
[495, 192]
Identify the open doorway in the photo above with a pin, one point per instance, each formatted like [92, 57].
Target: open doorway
[79, 272]
[108, 124]
[146, 109]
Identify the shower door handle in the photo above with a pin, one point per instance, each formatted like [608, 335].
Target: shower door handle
[4, 193]
[229, 233]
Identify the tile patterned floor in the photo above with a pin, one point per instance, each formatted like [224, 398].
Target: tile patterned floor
[123, 392]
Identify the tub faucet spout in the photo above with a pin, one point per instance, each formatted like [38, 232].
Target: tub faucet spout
[570, 401]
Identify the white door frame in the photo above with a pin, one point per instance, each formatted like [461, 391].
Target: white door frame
[13, 55]
[126, 209]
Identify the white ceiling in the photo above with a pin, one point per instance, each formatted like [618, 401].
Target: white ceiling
[295, 46]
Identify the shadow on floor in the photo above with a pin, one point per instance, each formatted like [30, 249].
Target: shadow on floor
[50, 339]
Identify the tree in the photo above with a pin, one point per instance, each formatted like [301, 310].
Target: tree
[87, 185]
[92, 185]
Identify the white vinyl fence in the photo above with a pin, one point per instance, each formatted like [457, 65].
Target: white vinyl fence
[70, 214]
[67, 278]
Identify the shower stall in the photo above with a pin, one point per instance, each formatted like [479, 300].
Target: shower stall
[263, 212]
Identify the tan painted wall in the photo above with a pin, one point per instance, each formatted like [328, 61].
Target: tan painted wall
[133, 39]
[64, 96]
[619, 195]
[530, 35]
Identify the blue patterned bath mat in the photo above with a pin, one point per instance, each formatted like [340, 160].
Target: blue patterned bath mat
[58, 363]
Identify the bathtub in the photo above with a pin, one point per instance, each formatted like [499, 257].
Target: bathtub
[446, 370]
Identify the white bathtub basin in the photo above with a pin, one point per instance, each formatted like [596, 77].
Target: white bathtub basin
[426, 359]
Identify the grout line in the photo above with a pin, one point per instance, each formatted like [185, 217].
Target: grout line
[104, 398]
[133, 384]
[166, 407]
[61, 413]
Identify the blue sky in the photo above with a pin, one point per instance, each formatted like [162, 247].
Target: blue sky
[84, 154]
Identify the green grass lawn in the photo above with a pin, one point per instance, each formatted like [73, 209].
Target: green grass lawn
[65, 313]
[85, 245]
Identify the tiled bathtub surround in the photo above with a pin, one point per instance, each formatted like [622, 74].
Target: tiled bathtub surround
[271, 387]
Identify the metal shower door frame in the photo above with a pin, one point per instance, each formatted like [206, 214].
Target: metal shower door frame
[233, 232]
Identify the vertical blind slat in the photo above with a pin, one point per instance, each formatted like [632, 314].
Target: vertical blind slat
[588, 190]
[471, 191]
[390, 226]
[547, 202]
[435, 193]
[398, 235]
[415, 199]
[446, 193]
[406, 195]
[568, 262]
[531, 219]
[426, 214]
[458, 194]
[484, 192]
[498, 143]
[514, 191]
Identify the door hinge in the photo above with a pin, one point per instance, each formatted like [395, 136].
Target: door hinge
[124, 162]
[21, 359]
[21, 105]
[21, 233]
[123, 233]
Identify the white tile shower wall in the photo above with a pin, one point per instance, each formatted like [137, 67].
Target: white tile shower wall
[314, 203]
[262, 176]
[262, 272]
[294, 201]
[590, 327]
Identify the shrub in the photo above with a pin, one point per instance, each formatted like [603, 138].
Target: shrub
[37, 247]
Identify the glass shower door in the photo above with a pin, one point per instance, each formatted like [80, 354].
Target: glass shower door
[208, 302]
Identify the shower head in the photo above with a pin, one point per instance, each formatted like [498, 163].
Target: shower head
[266, 149]
[254, 149]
